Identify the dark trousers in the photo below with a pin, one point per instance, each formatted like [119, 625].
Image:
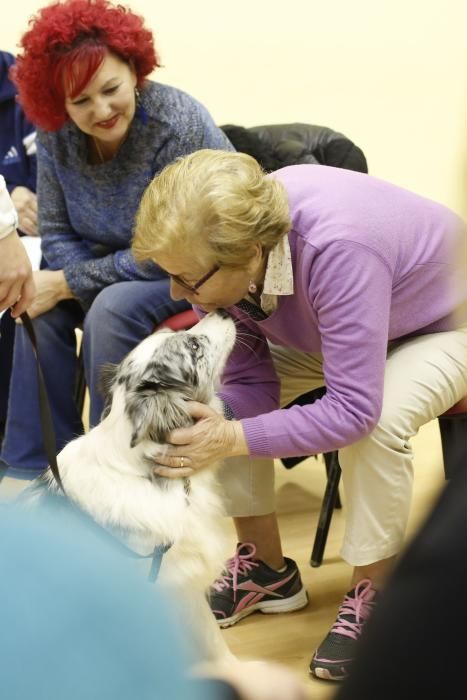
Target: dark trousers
[7, 336]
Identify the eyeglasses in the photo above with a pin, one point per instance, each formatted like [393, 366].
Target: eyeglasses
[193, 288]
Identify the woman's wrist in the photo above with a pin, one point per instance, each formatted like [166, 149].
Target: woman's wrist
[239, 445]
[64, 291]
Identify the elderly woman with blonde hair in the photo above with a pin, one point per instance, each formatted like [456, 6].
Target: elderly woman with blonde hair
[334, 279]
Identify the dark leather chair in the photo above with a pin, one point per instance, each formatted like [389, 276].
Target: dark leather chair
[453, 429]
[453, 432]
[276, 146]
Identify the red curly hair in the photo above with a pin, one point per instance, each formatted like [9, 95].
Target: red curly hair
[64, 47]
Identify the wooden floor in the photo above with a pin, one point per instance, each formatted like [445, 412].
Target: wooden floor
[291, 638]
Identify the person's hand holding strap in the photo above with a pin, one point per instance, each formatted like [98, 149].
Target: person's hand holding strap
[16, 282]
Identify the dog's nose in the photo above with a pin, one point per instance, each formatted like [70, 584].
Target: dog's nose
[222, 313]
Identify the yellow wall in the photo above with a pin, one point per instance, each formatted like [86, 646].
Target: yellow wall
[391, 74]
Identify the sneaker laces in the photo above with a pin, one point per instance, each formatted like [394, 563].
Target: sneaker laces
[355, 610]
[238, 565]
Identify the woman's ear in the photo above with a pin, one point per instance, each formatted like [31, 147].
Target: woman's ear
[132, 68]
[256, 260]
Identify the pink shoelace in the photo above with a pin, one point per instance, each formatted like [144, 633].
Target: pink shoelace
[239, 564]
[359, 607]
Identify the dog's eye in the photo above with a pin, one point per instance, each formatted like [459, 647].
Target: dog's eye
[194, 345]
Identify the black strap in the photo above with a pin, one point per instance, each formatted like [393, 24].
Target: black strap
[48, 433]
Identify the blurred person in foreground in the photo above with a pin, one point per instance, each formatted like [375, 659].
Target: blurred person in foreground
[98, 631]
[414, 644]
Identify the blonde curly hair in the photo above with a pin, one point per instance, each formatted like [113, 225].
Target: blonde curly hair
[216, 205]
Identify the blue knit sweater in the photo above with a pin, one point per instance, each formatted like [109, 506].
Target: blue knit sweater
[87, 211]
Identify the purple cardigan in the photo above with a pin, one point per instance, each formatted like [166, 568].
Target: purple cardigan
[372, 263]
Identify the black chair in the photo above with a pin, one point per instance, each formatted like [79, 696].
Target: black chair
[80, 383]
[331, 498]
[453, 429]
[276, 146]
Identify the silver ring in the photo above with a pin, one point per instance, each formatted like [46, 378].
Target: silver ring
[181, 462]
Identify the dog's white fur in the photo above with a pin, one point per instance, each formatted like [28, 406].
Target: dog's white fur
[108, 472]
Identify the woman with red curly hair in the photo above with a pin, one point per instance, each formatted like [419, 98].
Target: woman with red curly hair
[104, 131]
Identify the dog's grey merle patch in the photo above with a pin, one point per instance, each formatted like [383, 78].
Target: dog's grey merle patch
[181, 368]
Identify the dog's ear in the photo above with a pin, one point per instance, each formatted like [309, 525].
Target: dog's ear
[107, 374]
[154, 410]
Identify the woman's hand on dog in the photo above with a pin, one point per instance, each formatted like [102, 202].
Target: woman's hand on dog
[210, 439]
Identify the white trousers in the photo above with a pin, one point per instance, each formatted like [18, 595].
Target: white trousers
[424, 377]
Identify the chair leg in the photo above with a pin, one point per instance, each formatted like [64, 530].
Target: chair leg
[80, 385]
[453, 432]
[329, 458]
[327, 507]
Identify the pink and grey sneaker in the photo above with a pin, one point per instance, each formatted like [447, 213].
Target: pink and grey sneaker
[333, 658]
[248, 584]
